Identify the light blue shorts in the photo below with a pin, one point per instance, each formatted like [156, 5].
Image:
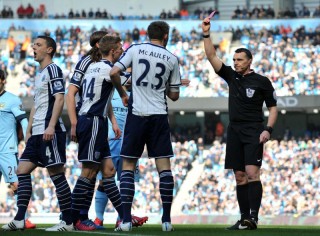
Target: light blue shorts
[8, 167]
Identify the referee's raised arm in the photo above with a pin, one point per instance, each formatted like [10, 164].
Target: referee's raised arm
[208, 46]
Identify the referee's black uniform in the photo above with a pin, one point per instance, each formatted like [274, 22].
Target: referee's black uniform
[247, 93]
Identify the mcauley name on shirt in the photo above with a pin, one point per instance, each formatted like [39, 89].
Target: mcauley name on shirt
[94, 70]
[154, 54]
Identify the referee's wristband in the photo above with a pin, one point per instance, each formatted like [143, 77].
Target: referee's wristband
[205, 35]
[269, 129]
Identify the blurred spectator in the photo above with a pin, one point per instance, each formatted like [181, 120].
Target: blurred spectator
[316, 12]
[83, 14]
[184, 13]
[21, 11]
[11, 44]
[98, 14]
[135, 34]
[90, 13]
[25, 45]
[163, 15]
[70, 14]
[304, 12]
[29, 11]
[270, 12]
[236, 13]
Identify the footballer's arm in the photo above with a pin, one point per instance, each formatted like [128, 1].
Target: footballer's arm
[71, 107]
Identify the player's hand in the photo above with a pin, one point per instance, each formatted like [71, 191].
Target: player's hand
[264, 136]
[73, 133]
[116, 130]
[125, 100]
[185, 82]
[48, 134]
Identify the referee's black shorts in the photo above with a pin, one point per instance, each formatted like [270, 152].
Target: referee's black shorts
[243, 145]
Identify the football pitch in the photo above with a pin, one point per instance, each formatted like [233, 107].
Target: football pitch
[184, 230]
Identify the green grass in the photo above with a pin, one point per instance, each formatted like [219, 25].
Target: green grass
[184, 230]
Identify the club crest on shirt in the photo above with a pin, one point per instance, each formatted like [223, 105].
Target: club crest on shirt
[2, 105]
[96, 155]
[57, 85]
[21, 107]
[250, 92]
[43, 78]
[76, 76]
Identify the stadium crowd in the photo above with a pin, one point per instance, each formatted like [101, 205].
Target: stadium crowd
[268, 13]
[290, 176]
[241, 12]
[290, 58]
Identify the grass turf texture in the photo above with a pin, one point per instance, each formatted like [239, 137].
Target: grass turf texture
[184, 230]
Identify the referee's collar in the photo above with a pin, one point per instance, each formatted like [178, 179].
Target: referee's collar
[251, 72]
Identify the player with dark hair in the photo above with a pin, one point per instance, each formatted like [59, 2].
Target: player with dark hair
[74, 102]
[75, 89]
[155, 75]
[45, 137]
[246, 133]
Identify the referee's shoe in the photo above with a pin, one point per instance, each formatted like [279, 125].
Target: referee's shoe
[251, 223]
[239, 225]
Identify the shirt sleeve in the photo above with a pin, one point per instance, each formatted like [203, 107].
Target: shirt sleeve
[125, 60]
[18, 110]
[56, 79]
[80, 71]
[269, 93]
[124, 76]
[20, 114]
[175, 78]
[226, 73]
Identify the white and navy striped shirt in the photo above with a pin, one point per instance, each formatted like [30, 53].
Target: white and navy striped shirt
[78, 75]
[97, 89]
[48, 83]
[153, 67]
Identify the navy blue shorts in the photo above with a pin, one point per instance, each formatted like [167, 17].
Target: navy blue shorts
[243, 145]
[92, 135]
[154, 131]
[45, 153]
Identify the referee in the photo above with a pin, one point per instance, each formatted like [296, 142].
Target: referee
[246, 133]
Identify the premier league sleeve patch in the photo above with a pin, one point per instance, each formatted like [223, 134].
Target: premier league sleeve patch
[57, 86]
[77, 76]
[250, 92]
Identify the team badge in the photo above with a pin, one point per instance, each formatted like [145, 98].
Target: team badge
[43, 78]
[97, 155]
[57, 85]
[2, 105]
[275, 95]
[21, 107]
[250, 92]
[76, 76]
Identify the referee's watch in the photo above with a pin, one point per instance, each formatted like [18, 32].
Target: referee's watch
[269, 129]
